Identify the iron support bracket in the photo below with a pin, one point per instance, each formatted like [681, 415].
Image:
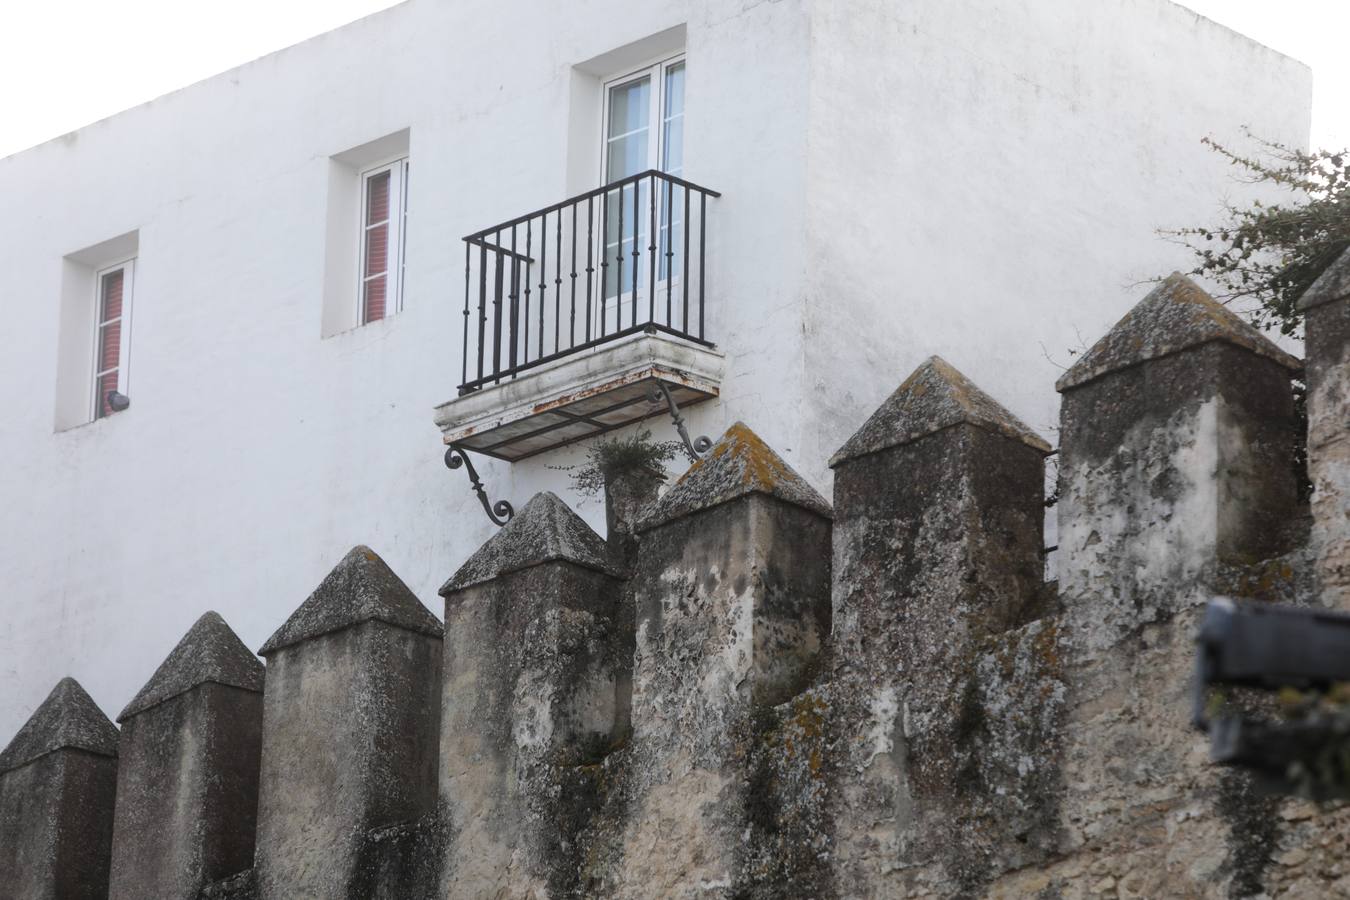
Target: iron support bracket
[500, 512]
[696, 447]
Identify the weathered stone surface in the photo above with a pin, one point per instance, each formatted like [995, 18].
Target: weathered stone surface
[544, 530]
[361, 588]
[58, 779]
[935, 396]
[1176, 474]
[732, 604]
[187, 782]
[1176, 316]
[1327, 327]
[945, 724]
[350, 719]
[737, 465]
[68, 718]
[537, 690]
[209, 652]
[629, 496]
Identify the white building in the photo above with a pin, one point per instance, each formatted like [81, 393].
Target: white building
[897, 178]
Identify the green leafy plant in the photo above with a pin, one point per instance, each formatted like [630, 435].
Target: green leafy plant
[1271, 253]
[609, 458]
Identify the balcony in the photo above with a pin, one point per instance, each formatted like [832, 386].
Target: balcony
[577, 315]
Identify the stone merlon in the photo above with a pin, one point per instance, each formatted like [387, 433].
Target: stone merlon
[935, 396]
[209, 652]
[545, 530]
[739, 464]
[1333, 284]
[68, 718]
[361, 588]
[1175, 316]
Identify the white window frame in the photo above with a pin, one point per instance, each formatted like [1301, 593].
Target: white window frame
[128, 268]
[656, 70]
[398, 227]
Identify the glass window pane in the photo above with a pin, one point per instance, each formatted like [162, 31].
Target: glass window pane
[672, 121]
[374, 299]
[629, 106]
[627, 151]
[103, 385]
[377, 198]
[111, 291]
[377, 250]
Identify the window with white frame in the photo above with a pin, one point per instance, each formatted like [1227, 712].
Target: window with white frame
[112, 334]
[644, 129]
[384, 219]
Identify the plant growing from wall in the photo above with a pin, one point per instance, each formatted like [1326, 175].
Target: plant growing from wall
[611, 458]
[1271, 253]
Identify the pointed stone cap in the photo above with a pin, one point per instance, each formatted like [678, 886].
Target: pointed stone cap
[935, 396]
[361, 588]
[1176, 316]
[209, 652]
[740, 463]
[1334, 284]
[546, 530]
[68, 718]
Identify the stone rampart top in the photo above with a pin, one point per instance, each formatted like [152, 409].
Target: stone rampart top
[740, 463]
[68, 718]
[209, 652]
[1334, 284]
[935, 396]
[1177, 315]
[361, 588]
[545, 530]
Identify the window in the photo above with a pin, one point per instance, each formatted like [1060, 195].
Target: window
[644, 129]
[384, 217]
[112, 331]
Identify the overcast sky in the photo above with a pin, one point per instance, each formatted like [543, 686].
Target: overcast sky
[66, 63]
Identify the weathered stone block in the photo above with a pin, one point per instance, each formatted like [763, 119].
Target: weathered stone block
[732, 605]
[58, 780]
[537, 687]
[1176, 473]
[939, 502]
[350, 721]
[1326, 307]
[187, 782]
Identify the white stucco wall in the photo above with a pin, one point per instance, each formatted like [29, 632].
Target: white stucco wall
[848, 141]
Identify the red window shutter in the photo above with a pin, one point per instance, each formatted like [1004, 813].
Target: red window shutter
[109, 359]
[376, 262]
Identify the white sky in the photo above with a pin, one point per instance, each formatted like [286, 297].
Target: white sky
[65, 63]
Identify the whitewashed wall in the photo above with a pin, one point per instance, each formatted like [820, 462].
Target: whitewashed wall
[899, 179]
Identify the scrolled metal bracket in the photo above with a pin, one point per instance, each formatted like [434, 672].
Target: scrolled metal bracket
[500, 512]
[696, 447]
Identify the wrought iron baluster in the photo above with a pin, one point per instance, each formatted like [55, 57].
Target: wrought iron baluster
[482, 302]
[702, 253]
[685, 242]
[636, 253]
[467, 257]
[590, 261]
[668, 197]
[572, 325]
[557, 284]
[529, 274]
[651, 250]
[618, 272]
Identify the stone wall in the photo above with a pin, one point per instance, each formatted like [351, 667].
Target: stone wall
[751, 692]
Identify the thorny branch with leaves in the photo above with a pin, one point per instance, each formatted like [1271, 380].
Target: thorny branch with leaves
[1271, 253]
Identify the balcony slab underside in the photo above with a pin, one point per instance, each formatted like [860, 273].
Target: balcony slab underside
[581, 396]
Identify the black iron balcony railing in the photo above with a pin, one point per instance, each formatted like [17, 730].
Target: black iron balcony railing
[621, 259]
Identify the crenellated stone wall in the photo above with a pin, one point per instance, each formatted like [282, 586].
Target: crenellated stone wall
[749, 691]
